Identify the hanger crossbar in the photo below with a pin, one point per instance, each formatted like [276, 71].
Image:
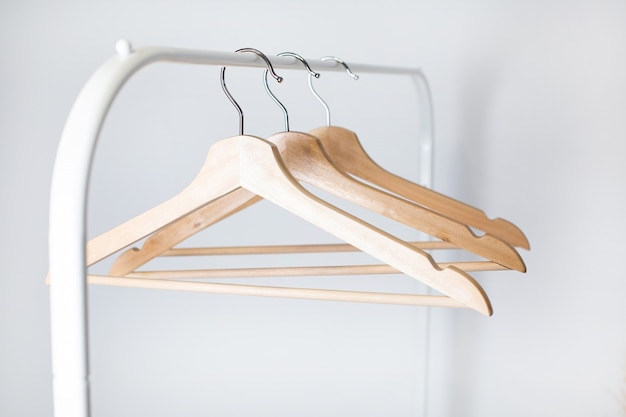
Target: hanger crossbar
[284, 249]
[304, 271]
[281, 292]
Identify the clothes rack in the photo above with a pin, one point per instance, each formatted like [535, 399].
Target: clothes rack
[70, 182]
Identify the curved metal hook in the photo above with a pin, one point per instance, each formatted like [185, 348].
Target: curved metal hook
[230, 97]
[315, 93]
[269, 92]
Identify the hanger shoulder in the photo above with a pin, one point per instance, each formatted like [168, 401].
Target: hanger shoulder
[221, 162]
[347, 152]
[307, 160]
[182, 229]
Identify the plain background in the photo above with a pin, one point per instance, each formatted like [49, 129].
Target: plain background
[530, 103]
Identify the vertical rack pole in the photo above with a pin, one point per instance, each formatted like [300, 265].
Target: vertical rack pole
[426, 137]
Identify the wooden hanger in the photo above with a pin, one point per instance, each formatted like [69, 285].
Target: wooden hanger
[348, 154]
[343, 185]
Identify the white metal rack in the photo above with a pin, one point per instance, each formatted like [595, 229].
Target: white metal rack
[70, 182]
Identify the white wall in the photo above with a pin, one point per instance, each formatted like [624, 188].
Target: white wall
[529, 100]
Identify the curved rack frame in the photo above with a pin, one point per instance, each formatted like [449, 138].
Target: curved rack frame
[70, 182]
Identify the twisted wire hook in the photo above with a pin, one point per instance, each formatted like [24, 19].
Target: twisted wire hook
[231, 98]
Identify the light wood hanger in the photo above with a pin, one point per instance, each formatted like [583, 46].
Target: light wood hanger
[346, 151]
[255, 165]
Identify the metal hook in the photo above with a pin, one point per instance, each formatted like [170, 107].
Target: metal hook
[231, 98]
[269, 92]
[317, 96]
